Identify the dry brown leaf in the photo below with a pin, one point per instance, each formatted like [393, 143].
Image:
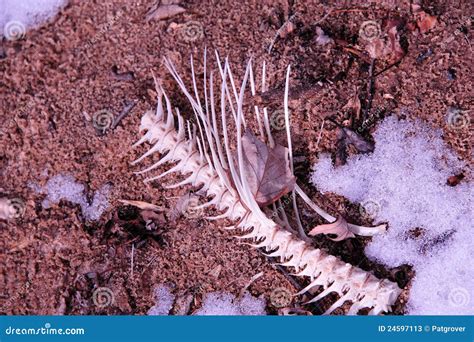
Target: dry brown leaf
[354, 106]
[164, 12]
[340, 228]
[425, 22]
[341, 149]
[182, 304]
[286, 29]
[388, 44]
[357, 141]
[151, 215]
[216, 271]
[267, 170]
[142, 205]
[394, 39]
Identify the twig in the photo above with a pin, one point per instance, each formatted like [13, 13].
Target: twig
[149, 263]
[128, 107]
[279, 31]
[387, 68]
[131, 260]
[324, 17]
[289, 277]
[369, 90]
[320, 134]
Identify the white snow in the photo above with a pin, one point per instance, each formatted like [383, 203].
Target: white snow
[65, 187]
[164, 300]
[226, 304]
[404, 179]
[16, 16]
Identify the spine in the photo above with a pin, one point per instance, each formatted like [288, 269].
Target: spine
[353, 284]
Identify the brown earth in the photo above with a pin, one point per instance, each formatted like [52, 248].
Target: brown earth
[55, 78]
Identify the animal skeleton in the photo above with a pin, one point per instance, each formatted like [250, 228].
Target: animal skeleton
[209, 162]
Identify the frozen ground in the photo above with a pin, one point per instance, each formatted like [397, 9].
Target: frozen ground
[404, 182]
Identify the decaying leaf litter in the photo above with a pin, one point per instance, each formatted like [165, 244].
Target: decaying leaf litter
[304, 91]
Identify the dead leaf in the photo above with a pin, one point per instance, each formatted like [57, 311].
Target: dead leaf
[358, 141]
[266, 169]
[388, 44]
[424, 21]
[182, 304]
[164, 12]
[286, 29]
[455, 180]
[142, 205]
[341, 149]
[216, 271]
[394, 39]
[150, 215]
[340, 228]
[354, 106]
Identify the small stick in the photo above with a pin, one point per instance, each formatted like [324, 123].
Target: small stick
[149, 263]
[279, 31]
[324, 17]
[131, 260]
[128, 107]
[369, 90]
[289, 277]
[320, 134]
[387, 68]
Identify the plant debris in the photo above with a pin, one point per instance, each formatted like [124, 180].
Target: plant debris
[161, 12]
[424, 21]
[267, 169]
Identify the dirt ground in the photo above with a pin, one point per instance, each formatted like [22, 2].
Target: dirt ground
[99, 55]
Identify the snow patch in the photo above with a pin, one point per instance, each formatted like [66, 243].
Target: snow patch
[430, 223]
[65, 187]
[16, 16]
[226, 304]
[164, 300]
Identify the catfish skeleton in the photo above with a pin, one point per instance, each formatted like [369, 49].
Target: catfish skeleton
[203, 154]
